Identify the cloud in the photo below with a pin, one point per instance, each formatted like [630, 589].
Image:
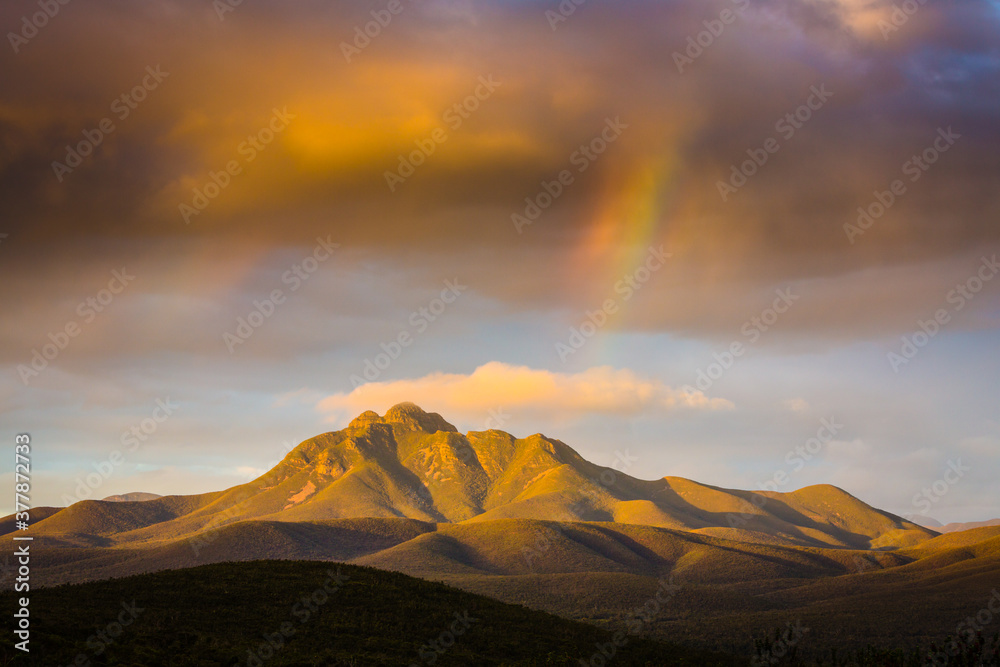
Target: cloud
[796, 404]
[656, 185]
[495, 385]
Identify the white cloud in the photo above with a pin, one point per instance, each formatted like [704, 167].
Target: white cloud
[848, 450]
[983, 446]
[796, 404]
[599, 390]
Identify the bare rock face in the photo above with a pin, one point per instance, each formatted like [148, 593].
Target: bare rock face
[412, 417]
[364, 419]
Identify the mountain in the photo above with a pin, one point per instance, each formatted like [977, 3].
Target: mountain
[415, 465]
[956, 527]
[925, 521]
[135, 496]
[728, 592]
[928, 522]
[529, 521]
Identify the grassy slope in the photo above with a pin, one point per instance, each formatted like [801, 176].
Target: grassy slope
[501, 547]
[414, 464]
[910, 606]
[599, 572]
[522, 546]
[338, 539]
[212, 615]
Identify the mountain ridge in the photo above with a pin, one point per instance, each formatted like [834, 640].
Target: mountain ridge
[412, 464]
[131, 497]
[530, 521]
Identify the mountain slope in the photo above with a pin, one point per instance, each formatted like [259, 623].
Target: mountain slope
[528, 520]
[351, 616]
[522, 547]
[601, 572]
[415, 465]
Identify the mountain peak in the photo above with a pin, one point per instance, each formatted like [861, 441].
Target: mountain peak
[412, 416]
[365, 418]
[414, 464]
[405, 408]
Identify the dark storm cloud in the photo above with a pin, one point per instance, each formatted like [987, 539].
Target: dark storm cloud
[352, 121]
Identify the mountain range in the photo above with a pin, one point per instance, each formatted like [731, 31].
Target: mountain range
[528, 520]
[414, 465]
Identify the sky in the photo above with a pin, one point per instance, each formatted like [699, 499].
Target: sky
[752, 242]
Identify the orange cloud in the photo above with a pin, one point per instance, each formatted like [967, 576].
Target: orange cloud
[599, 390]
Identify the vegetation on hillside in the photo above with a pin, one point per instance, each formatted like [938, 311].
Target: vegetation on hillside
[309, 614]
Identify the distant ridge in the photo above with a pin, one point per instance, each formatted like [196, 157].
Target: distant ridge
[135, 496]
[925, 521]
[413, 464]
[955, 527]
[531, 522]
